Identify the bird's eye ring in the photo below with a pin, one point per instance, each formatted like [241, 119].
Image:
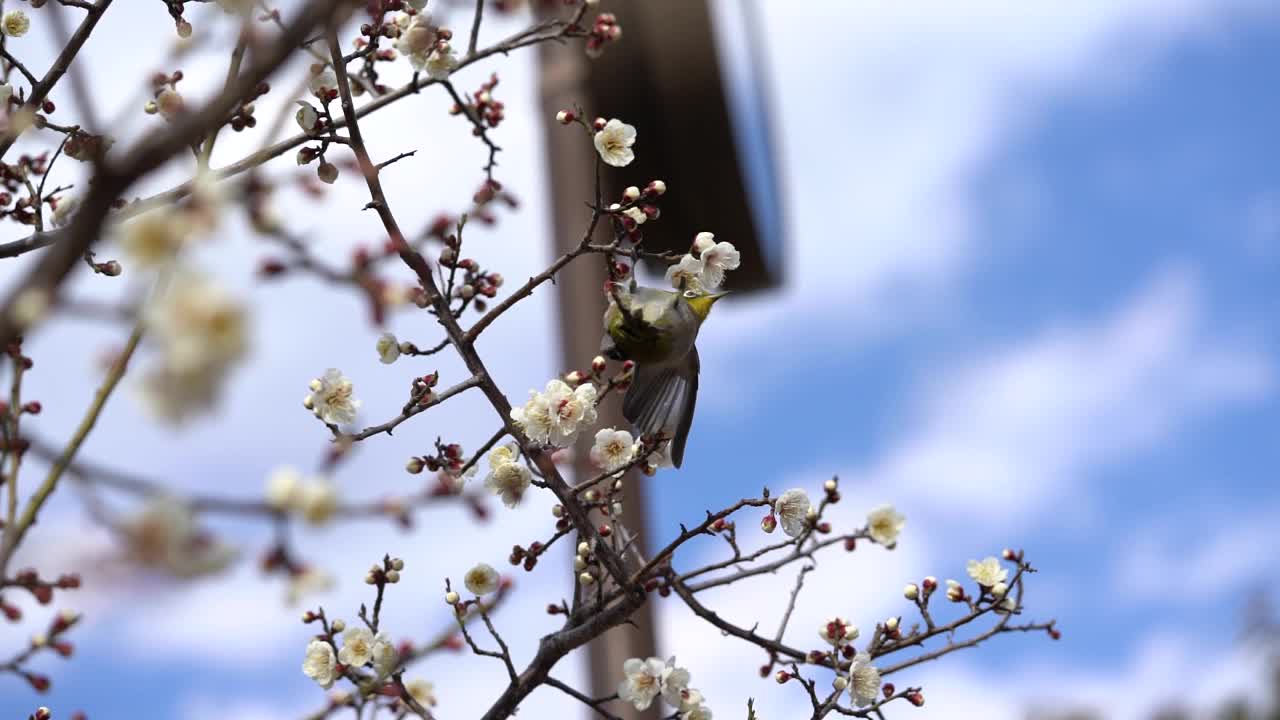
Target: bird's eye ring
[690, 294]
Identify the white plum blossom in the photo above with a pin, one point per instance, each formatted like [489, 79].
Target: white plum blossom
[703, 241]
[793, 511]
[507, 477]
[614, 143]
[322, 81]
[884, 524]
[674, 682]
[357, 647]
[308, 581]
[697, 712]
[318, 501]
[417, 38]
[174, 397]
[307, 117]
[571, 408]
[642, 682]
[690, 698]
[200, 327]
[864, 680]
[987, 572]
[15, 24]
[332, 398]
[441, 62]
[636, 214]
[319, 663]
[154, 238]
[645, 680]
[555, 416]
[385, 656]
[613, 449]
[315, 499]
[715, 261]
[67, 206]
[534, 418]
[388, 348]
[422, 691]
[283, 487]
[164, 535]
[687, 274]
[481, 579]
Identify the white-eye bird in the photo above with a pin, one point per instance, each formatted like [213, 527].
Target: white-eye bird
[656, 329]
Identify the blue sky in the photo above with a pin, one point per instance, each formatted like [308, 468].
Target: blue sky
[1031, 301]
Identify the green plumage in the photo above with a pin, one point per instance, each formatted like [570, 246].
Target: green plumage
[656, 329]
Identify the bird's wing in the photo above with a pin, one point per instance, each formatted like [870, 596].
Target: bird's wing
[662, 399]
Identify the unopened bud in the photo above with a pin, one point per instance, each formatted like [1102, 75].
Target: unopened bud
[911, 592]
[782, 676]
[584, 548]
[999, 590]
[451, 597]
[632, 193]
[598, 364]
[338, 625]
[769, 523]
[586, 578]
[564, 117]
[599, 123]
[840, 683]
[930, 584]
[414, 466]
[327, 172]
[891, 624]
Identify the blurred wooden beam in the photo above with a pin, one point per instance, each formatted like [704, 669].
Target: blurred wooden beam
[664, 76]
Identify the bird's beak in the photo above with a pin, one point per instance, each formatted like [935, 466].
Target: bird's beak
[718, 295]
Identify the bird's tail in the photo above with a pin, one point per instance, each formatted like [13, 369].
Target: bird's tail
[661, 400]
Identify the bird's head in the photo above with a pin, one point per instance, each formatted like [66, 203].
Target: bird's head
[701, 303]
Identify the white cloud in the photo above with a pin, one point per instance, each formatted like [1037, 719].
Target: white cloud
[1011, 432]
[1165, 562]
[917, 103]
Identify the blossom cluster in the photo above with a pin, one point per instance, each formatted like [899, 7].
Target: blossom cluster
[164, 536]
[315, 499]
[508, 478]
[555, 416]
[200, 329]
[703, 268]
[332, 398]
[646, 680]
